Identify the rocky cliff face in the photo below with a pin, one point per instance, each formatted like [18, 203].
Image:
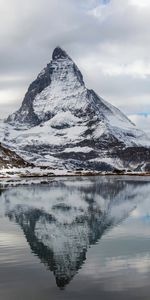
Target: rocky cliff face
[64, 125]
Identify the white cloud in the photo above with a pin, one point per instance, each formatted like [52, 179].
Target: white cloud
[140, 3]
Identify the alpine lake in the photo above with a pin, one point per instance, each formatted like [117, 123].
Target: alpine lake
[75, 238]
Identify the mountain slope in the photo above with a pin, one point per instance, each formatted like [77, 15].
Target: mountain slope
[9, 159]
[62, 124]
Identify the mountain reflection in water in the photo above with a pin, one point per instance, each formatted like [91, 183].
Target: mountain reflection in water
[61, 220]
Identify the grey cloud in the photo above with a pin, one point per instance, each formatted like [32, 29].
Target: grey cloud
[142, 122]
[115, 34]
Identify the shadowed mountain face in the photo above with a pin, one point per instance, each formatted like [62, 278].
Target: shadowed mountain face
[64, 125]
[62, 220]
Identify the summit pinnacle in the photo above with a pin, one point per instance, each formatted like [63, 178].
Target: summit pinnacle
[59, 53]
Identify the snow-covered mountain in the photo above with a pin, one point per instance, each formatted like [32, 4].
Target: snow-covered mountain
[64, 125]
[62, 220]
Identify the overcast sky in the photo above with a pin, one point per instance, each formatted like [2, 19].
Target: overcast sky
[108, 39]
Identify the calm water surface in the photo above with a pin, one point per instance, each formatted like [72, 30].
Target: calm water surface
[76, 238]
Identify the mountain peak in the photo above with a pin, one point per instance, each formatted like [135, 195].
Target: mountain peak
[59, 53]
[72, 127]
